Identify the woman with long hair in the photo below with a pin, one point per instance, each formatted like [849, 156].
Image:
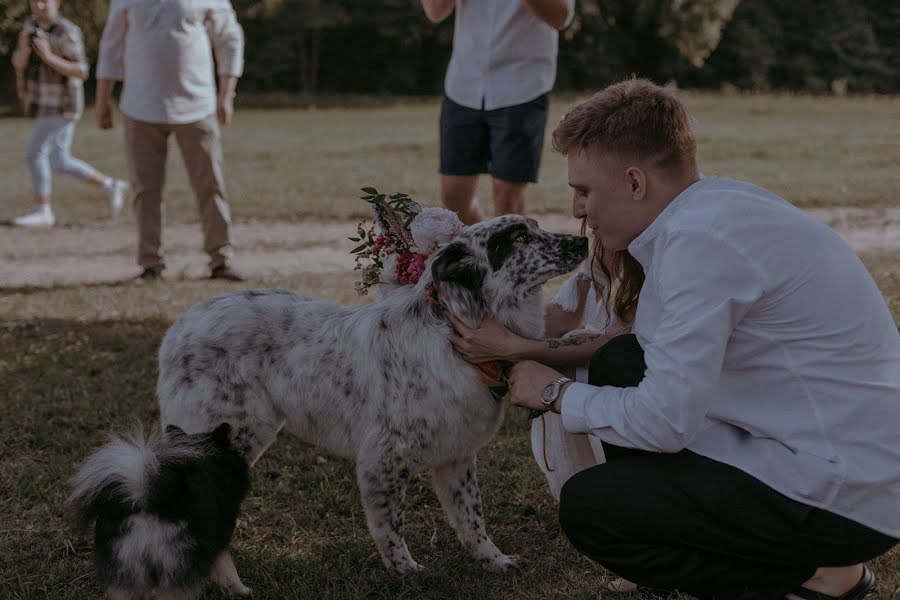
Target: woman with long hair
[596, 304]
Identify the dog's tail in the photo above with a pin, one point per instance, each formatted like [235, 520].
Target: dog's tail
[118, 477]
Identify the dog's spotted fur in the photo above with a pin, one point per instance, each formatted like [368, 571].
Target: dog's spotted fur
[379, 383]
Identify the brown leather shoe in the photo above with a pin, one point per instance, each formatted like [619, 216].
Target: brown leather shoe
[225, 272]
[148, 275]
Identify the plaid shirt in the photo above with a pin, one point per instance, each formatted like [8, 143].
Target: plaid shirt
[46, 92]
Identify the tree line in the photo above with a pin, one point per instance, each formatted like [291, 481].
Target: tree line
[388, 47]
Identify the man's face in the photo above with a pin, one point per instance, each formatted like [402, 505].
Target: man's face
[44, 9]
[606, 194]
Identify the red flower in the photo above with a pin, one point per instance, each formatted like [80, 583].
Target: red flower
[410, 266]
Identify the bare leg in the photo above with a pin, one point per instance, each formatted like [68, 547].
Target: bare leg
[458, 194]
[509, 197]
[225, 574]
[457, 489]
[382, 484]
[620, 585]
[834, 581]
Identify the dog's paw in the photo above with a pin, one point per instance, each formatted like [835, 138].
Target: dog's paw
[501, 563]
[408, 567]
[238, 589]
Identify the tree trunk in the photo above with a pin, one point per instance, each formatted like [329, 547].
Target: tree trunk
[308, 59]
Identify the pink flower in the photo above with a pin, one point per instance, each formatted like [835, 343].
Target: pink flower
[410, 266]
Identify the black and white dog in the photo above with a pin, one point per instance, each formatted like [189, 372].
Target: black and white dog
[378, 383]
[163, 509]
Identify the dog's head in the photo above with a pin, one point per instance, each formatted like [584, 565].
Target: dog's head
[499, 266]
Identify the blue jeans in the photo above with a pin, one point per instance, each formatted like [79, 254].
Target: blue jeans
[48, 150]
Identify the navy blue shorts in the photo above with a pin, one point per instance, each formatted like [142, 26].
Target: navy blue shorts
[505, 142]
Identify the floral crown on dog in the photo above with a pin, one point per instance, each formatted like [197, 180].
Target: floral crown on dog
[395, 247]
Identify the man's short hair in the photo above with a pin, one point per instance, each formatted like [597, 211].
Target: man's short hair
[635, 119]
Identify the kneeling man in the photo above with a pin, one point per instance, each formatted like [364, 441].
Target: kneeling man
[752, 422]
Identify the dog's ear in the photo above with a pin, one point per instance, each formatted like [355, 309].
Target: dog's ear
[458, 278]
[221, 435]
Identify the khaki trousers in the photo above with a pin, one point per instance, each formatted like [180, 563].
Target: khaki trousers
[146, 146]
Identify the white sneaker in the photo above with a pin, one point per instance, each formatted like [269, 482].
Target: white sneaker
[115, 191]
[40, 217]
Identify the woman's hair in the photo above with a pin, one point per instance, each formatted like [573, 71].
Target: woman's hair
[635, 119]
[626, 277]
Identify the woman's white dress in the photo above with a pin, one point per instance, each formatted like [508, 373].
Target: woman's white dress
[560, 454]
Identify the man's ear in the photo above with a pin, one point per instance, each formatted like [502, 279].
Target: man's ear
[637, 180]
[458, 279]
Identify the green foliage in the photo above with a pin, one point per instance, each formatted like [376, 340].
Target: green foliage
[830, 45]
[389, 47]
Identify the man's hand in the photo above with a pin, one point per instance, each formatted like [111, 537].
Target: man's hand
[527, 381]
[104, 114]
[103, 103]
[41, 45]
[438, 10]
[225, 108]
[554, 13]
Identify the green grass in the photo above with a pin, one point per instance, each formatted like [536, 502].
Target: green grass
[291, 164]
[78, 361]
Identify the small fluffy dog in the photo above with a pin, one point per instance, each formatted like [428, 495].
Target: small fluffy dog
[163, 509]
[378, 383]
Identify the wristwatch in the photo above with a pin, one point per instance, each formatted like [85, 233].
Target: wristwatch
[551, 392]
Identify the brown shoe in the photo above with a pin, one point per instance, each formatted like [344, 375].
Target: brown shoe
[148, 275]
[225, 272]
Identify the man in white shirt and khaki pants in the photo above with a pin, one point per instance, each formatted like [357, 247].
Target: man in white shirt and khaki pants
[751, 424]
[163, 52]
[496, 97]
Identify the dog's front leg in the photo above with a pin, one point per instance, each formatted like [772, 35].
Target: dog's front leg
[382, 485]
[225, 574]
[457, 488]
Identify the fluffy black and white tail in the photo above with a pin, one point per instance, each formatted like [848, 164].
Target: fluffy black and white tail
[149, 498]
[120, 474]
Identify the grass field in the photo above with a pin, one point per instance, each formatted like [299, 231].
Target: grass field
[76, 361]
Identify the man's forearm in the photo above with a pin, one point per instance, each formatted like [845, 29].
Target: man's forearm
[105, 89]
[438, 10]
[554, 13]
[227, 85]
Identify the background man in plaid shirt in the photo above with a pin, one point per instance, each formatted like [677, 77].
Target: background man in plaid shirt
[50, 70]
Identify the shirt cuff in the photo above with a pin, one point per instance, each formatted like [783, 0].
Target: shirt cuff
[574, 404]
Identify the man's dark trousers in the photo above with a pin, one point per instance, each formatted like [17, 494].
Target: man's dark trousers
[683, 521]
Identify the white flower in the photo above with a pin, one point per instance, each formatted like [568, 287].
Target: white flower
[389, 269]
[432, 227]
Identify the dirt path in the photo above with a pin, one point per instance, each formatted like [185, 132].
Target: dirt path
[103, 252]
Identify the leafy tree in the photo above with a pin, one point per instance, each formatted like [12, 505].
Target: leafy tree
[613, 38]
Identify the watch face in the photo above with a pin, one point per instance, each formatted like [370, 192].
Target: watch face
[550, 392]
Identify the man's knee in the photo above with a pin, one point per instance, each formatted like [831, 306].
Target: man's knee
[619, 363]
[580, 504]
